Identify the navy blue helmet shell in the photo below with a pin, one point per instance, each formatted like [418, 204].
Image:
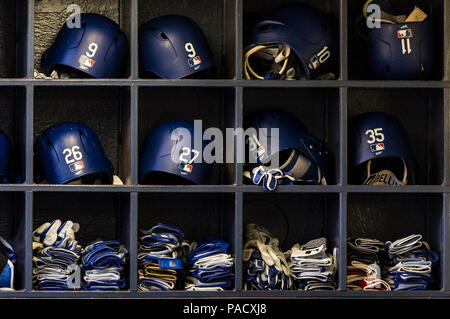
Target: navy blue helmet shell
[173, 47]
[98, 49]
[166, 150]
[376, 135]
[306, 30]
[69, 151]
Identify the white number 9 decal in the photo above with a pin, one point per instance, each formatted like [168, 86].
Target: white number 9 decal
[92, 49]
[190, 48]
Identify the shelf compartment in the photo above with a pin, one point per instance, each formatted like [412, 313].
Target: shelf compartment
[13, 124]
[104, 216]
[388, 217]
[421, 112]
[317, 109]
[12, 229]
[296, 218]
[358, 68]
[196, 215]
[216, 18]
[106, 110]
[50, 16]
[254, 10]
[214, 106]
[13, 38]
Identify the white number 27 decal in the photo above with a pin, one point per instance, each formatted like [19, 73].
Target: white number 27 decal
[187, 151]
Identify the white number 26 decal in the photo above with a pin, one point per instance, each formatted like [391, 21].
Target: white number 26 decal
[190, 49]
[375, 135]
[73, 154]
[186, 152]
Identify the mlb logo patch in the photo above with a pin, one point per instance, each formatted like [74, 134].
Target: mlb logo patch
[314, 62]
[77, 166]
[260, 151]
[85, 62]
[404, 34]
[377, 147]
[185, 168]
[194, 61]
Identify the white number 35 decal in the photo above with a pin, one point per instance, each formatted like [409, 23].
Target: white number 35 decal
[375, 135]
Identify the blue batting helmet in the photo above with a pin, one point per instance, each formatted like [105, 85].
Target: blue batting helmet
[402, 50]
[376, 135]
[301, 156]
[168, 151]
[69, 151]
[305, 30]
[99, 48]
[173, 47]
